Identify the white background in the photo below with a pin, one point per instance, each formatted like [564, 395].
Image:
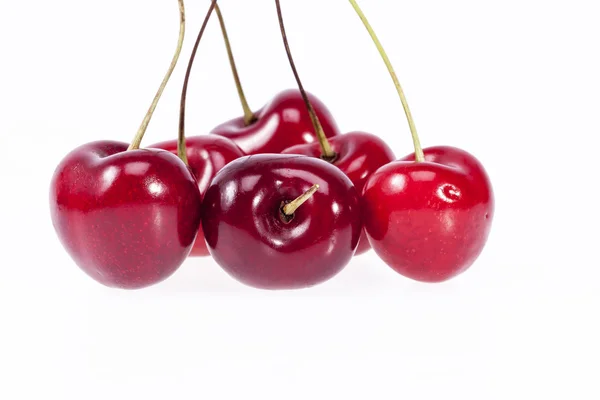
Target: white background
[514, 82]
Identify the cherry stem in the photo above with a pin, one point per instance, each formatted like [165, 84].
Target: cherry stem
[137, 140]
[326, 150]
[413, 130]
[249, 116]
[290, 208]
[181, 146]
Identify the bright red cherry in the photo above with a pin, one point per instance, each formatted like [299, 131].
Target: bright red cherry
[252, 236]
[206, 156]
[282, 123]
[429, 220]
[358, 155]
[429, 215]
[127, 218]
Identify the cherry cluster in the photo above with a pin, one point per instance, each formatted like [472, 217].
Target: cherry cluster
[279, 197]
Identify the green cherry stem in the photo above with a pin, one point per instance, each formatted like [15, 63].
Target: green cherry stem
[419, 156]
[249, 117]
[181, 147]
[327, 152]
[291, 207]
[137, 140]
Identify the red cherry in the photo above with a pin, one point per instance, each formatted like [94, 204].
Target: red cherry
[359, 155]
[429, 220]
[282, 123]
[429, 215]
[206, 156]
[249, 234]
[128, 218]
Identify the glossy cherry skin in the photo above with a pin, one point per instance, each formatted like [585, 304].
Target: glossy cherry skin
[206, 156]
[282, 123]
[429, 221]
[127, 218]
[249, 237]
[359, 155]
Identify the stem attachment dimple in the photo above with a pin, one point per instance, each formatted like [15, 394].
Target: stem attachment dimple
[249, 117]
[290, 208]
[419, 156]
[137, 140]
[181, 146]
[327, 152]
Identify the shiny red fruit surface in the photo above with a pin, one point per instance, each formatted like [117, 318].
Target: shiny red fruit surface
[429, 221]
[359, 155]
[206, 154]
[127, 218]
[250, 238]
[282, 123]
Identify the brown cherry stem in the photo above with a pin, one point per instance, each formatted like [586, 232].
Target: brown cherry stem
[327, 152]
[290, 208]
[249, 116]
[181, 146]
[419, 156]
[137, 140]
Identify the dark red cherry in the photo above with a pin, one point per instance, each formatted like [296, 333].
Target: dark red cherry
[251, 237]
[359, 155]
[282, 123]
[429, 220]
[128, 218]
[206, 155]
